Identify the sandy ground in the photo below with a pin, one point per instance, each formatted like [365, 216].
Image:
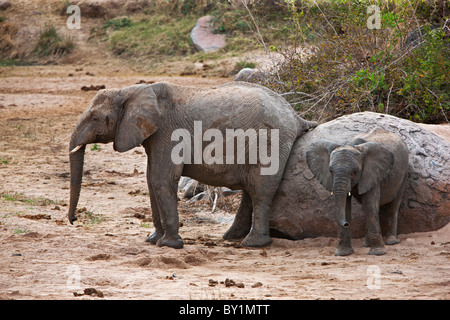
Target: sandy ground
[43, 257]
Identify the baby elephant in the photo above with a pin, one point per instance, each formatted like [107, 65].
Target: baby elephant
[373, 169]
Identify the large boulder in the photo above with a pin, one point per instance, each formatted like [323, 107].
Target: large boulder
[203, 37]
[303, 208]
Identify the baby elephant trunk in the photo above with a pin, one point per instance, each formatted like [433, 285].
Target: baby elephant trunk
[342, 202]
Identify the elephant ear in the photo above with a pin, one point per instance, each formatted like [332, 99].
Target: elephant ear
[318, 160]
[140, 117]
[378, 162]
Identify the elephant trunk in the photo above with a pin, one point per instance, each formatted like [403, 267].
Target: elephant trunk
[340, 201]
[341, 190]
[76, 157]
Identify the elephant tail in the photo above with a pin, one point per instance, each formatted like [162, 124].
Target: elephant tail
[305, 126]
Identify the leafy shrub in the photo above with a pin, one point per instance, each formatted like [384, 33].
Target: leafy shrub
[153, 35]
[333, 64]
[243, 64]
[425, 84]
[50, 42]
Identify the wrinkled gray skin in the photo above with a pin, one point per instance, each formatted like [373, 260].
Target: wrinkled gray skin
[372, 168]
[148, 114]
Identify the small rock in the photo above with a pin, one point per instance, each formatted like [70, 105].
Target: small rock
[4, 5]
[93, 292]
[93, 88]
[212, 283]
[89, 292]
[264, 252]
[229, 282]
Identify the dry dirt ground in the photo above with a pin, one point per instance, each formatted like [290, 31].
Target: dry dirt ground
[42, 256]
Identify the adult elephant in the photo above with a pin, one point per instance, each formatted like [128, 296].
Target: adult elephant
[158, 116]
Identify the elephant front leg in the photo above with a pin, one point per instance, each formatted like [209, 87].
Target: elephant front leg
[164, 194]
[392, 215]
[166, 198]
[371, 206]
[159, 231]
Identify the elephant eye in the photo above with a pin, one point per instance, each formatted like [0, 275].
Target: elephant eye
[95, 118]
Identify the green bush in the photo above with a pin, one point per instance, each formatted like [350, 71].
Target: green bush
[243, 64]
[351, 68]
[50, 42]
[425, 84]
[117, 24]
[152, 35]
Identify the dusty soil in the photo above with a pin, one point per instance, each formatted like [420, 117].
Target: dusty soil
[42, 256]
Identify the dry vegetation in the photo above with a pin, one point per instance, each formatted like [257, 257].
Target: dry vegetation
[322, 55]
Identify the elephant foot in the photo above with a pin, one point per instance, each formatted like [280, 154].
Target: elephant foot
[366, 243]
[235, 234]
[256, 240]
[391, 240]
[377, 251]
[172, 242]
[154, 237]
[343, 251]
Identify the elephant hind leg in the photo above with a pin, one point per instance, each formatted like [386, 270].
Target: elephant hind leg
[259, 235]
[243, 220]
[371, 206]
[391, 212]
[262, 195]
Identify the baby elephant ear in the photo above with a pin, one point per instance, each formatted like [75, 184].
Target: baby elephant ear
[377, 163]
[140, 117]
[318, 160]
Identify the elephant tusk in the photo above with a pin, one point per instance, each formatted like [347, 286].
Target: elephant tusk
[76, 149]
[332, 193]
[349, 194]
